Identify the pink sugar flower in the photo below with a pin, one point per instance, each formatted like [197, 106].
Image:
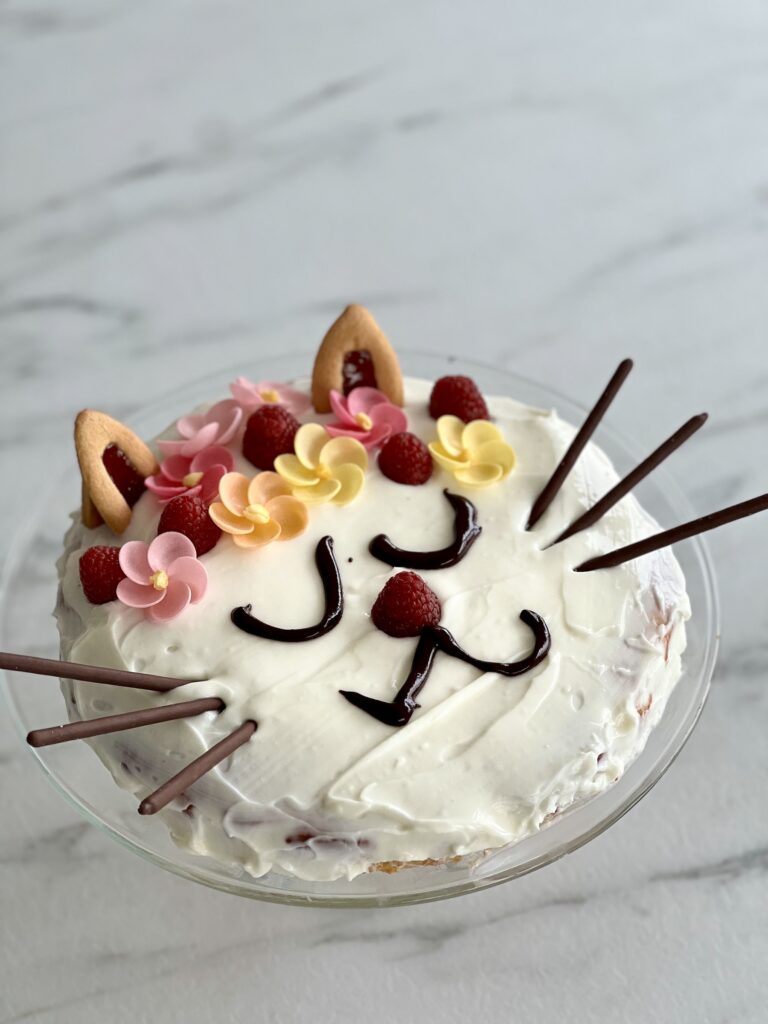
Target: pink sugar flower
[180, 474]
[162, 577]
[250, 396]
[367, 415]
[216, 427]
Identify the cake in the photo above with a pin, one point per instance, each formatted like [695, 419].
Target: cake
[301, 603]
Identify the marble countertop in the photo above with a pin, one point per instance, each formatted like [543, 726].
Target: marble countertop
[188, 184]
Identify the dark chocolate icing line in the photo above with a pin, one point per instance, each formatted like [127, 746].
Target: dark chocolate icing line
[334, 604]
[437, 638]
[466, 531]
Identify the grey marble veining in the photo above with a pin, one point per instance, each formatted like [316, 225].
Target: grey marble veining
[194, 185]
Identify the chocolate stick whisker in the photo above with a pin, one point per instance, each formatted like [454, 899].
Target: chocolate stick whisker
[682, 532]
[118, 723]
[631, 480]
[578, 444]
[176, 785]
[89, 673]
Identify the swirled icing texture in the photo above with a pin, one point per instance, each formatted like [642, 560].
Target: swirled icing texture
[324, 791]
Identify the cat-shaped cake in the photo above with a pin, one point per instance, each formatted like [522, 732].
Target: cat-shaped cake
[411, 666]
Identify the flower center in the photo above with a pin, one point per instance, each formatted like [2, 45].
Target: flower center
[323, 472]
[192, 479]
[159, 580]
[269, 395]
[364, 420]
[257, 513]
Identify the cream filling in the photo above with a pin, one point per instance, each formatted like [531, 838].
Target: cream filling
[323, 790]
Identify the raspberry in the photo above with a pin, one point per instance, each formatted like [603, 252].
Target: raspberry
[457, 396]
[357, 371]
[127, 480]
[100, 573]
[405, 606]
[269, 432]
[405, 459]
[188, 514]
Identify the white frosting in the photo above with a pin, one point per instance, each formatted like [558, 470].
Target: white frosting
[486, 760]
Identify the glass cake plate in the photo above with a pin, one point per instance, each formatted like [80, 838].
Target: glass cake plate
[28, 596]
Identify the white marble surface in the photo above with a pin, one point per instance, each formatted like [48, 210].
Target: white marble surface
[553, 185]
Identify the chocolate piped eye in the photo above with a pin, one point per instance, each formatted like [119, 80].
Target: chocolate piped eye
[466, 531]
[334, 604]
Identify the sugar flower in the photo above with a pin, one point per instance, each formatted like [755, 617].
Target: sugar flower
[476, 453]
[162, 577]
[180, 474]
[324, 469]
[250, 396]
[216, 427]
[258, 511]
[367, 415]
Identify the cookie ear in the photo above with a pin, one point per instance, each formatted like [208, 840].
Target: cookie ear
[355, 330]
[102, 501]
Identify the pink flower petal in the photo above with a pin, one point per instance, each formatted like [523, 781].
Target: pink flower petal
[227, 414]
[193, 573]
[364, 399]
[165, 492]
[391, 415]
[167, 548]
[204, 438]
[136, 595]
[176, 599]
[188, 426]
[159, 480]
[376, 436]
[341, 411]
[170, 448]
[221, 412]
[246, 394]
[209, 457]
[134, 561]
[175, 467]
[339, 430]
[294, 400]
[208, 488]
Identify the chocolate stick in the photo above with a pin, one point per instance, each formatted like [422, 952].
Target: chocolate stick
[117, 723]
[175, 786]
[586, 431]
[682, 532]
[631, 480]
[88, 673]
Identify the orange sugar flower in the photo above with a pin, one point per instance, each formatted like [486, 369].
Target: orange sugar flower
[258, 511]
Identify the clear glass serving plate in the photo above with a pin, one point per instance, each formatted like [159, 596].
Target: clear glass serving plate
[26, 625]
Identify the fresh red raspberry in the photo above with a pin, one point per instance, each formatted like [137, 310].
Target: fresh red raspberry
[457, 396]
[357, 371]
[405, 459]
[269, 432]
[405, 606]
[100, 573]
[188, 514]
[127, 480]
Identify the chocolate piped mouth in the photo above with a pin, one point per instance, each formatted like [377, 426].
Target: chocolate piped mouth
[437, 638]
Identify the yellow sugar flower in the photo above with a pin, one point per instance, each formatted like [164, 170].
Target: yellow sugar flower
[323, 468]
[476, 453]
[258, 511]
